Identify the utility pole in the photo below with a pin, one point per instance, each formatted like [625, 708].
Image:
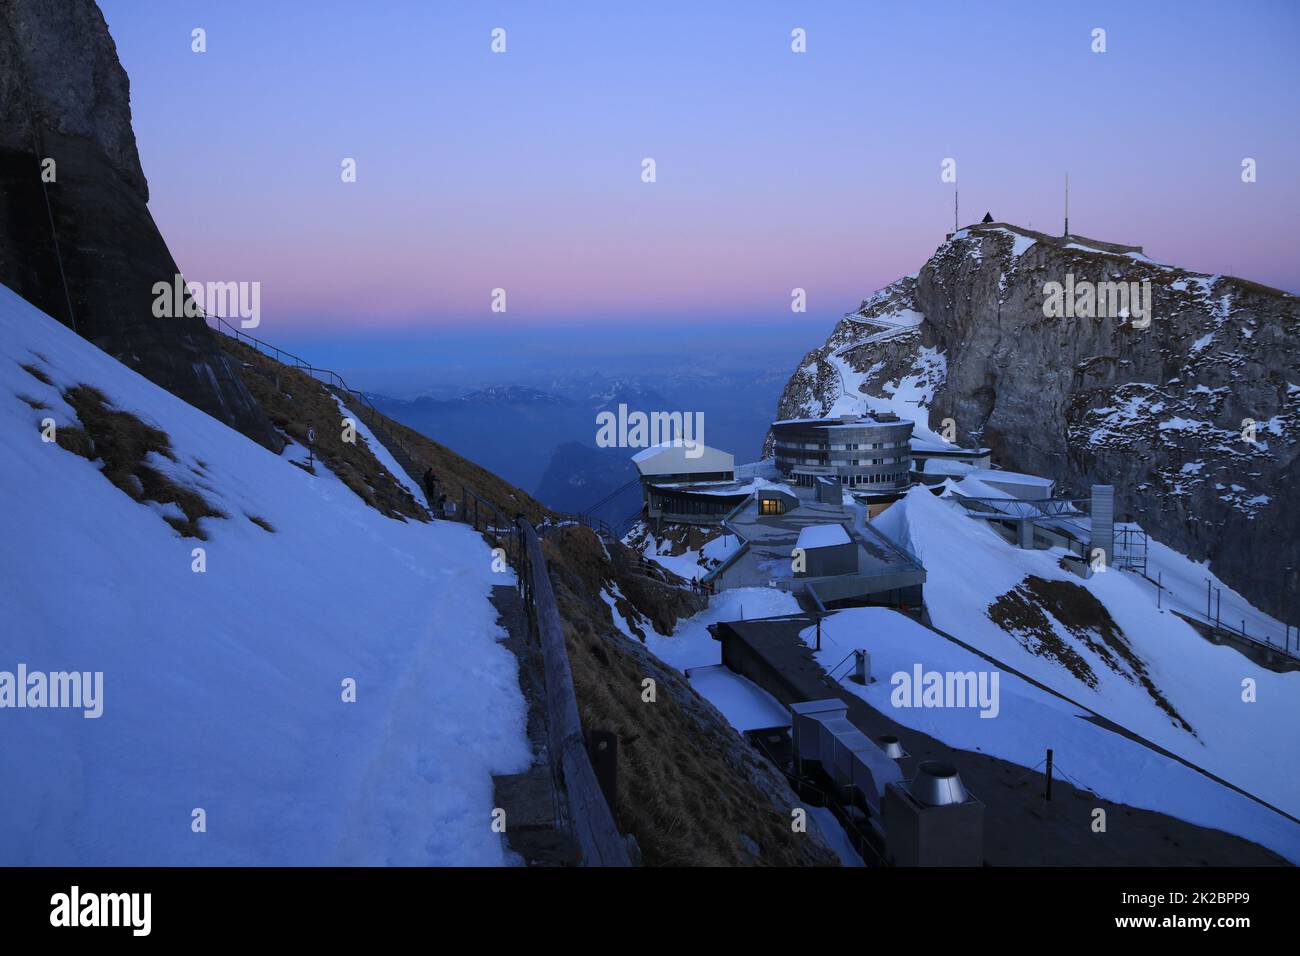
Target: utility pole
[1049, 773]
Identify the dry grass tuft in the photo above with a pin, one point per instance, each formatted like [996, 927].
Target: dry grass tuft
[36, 373]
[123, 443]
[261, 523]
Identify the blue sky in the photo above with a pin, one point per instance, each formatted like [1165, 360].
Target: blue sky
[775, 170]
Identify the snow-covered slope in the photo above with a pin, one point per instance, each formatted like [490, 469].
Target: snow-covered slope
[1150, 672]
[873, 360]
[223, 690]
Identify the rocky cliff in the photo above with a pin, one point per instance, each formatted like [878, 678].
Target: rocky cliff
[1163, 410]
[65, 97]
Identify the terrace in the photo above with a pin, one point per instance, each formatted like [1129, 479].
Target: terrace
[885, 572]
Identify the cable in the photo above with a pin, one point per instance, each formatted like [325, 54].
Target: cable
[38, 148]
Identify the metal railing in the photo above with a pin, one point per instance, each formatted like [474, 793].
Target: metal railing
[332, 380]
[1129, 553]
[592, 508]
[1287, 644]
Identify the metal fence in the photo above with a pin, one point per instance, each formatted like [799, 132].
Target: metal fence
[332, 380]
[1286, 641]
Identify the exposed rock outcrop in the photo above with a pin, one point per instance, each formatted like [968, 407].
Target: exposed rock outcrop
[64, 96]
[1162, 412]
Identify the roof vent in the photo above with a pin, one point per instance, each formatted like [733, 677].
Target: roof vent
[890, 745]
[938, 785]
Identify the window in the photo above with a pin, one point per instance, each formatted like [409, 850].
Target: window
[771, 506]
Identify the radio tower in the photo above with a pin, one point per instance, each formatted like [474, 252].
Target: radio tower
[1067, 204]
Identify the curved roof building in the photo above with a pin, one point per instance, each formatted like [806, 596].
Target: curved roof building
[869, 453]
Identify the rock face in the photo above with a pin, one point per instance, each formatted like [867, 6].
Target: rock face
[64, 96]
[1163, 412]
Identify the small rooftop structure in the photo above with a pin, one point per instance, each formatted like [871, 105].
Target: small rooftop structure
[996, 483]
[925, 450]
[825, 549]
[822, 536]
[775, 501]
[946, 466]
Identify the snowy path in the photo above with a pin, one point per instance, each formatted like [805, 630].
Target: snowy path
[225, 689]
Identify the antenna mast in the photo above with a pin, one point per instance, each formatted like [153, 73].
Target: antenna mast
[1067, 204]
[954, 209]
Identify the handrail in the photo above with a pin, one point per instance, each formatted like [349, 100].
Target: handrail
[591, 509]
[736, 555]
[334, 379]
[585, 520]
[593, 823]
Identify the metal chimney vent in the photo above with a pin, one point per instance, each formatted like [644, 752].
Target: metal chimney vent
[890, 745]
[938, 785]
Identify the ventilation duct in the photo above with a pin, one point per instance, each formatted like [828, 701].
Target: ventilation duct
[853, 761]
[891, 746]
[937, 784]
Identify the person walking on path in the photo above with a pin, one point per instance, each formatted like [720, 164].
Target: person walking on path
[430, 487]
